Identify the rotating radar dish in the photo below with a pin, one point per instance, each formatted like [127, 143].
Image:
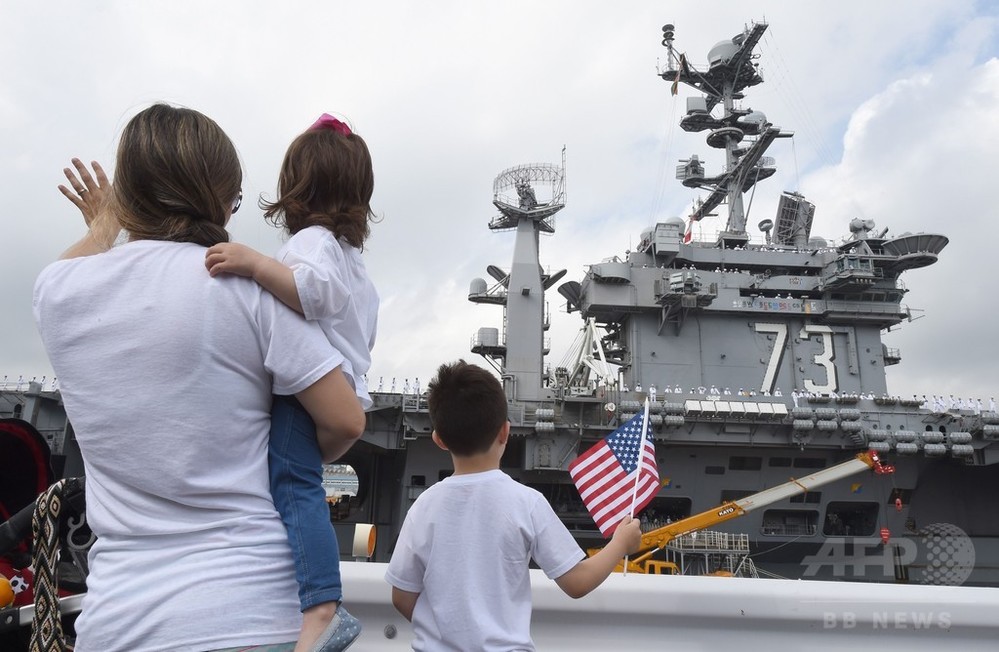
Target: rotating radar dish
[534, 191]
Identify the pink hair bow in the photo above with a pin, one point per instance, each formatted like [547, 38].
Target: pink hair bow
[326, 121]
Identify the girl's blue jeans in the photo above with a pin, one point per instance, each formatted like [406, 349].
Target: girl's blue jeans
[296, 470]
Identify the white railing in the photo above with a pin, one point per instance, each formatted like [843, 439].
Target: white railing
[676, 612]
[711, 540]
[656, 612]
[712, 231]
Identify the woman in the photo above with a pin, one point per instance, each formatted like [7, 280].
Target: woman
[167, 376]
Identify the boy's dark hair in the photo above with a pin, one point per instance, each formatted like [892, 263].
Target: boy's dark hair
[326, 180]
[467, 407]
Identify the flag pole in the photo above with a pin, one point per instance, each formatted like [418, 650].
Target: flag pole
[641, 458]
[638, 470]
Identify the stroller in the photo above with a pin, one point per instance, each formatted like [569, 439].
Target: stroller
[45, 576]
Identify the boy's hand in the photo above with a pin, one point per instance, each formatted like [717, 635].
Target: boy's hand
[87, 193]
[590, 572]
[629, 534]
[234, 259]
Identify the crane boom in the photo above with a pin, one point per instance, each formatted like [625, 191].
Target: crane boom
[657, 539]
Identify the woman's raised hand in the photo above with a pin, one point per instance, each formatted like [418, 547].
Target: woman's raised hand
[87, 192]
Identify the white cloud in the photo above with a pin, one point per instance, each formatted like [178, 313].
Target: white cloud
[916, 158]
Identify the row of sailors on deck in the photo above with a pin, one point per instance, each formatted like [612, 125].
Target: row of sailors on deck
[798, 394]
[23, 384]
[710, 391]
[938, 404]
[406, 388]
[941, 404]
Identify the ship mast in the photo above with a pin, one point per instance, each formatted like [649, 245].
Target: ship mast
[731, 69]
[519, 358]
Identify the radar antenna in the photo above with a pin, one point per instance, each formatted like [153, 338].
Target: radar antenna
[524, 180]
[766, 226]
[528, 197]
[745, 135]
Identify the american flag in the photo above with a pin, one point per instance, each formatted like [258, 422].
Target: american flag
[605, 475]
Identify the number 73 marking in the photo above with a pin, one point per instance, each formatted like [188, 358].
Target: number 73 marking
[823, 358]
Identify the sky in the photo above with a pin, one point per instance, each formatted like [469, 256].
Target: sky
[893, 106]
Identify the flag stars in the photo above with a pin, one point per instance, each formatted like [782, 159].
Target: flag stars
[625, 444]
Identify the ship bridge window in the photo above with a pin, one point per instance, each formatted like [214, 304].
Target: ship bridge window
[850, 519]
[810, 497]
[780, 461]
[809, 463]
[743, 463]
[789, 522]
[853, 263]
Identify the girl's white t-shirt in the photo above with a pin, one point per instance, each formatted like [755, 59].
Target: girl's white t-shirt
[336, 291]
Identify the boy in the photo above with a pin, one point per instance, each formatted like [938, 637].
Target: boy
[460, 567]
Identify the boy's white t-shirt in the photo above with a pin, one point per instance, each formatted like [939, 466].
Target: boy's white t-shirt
[465, 547]
[336, 291]
[167, 376]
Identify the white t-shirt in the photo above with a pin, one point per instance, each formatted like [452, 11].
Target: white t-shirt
[167, 376]
[336, 291]
[465, 547]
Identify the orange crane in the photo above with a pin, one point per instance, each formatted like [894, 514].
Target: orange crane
[656, 540]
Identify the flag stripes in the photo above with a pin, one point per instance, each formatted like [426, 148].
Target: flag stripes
[606, 475]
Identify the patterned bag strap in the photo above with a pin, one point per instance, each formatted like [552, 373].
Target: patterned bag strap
[46, 625]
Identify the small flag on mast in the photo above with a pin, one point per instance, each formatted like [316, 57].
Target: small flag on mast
[679, 68]
[617, 477]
